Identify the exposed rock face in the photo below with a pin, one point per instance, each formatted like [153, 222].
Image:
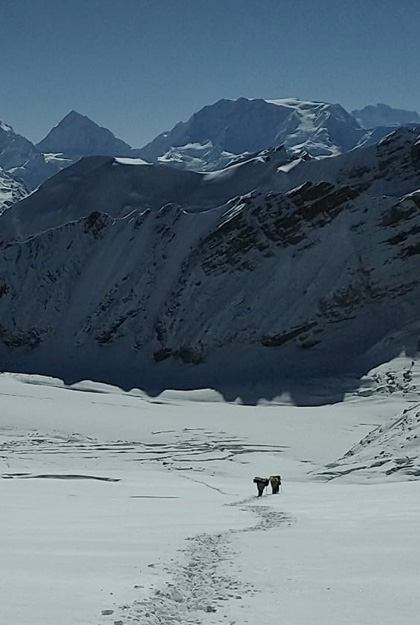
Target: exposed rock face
[318, 279]
[76, 135]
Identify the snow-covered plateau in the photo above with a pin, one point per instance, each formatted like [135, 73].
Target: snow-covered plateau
[119, 508]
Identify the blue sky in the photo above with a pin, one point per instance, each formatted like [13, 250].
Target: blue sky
[139, 66]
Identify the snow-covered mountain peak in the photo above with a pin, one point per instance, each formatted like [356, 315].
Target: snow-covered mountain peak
[21, 160]
[309, 105]
[77, 135]
[230, 128]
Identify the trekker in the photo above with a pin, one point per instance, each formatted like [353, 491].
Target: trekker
[261, 483]
[275, 481]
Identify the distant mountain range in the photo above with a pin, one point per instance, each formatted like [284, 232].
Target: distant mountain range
[216, 136]
[279, 267]
[383, 115]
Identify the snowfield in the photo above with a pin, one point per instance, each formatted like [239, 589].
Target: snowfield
[119, 508]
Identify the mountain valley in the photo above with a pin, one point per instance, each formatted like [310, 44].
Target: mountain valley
[270, 273]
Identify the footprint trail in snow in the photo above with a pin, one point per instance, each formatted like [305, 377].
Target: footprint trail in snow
[203, 580]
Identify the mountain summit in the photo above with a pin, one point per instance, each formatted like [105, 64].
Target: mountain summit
[77, 135]
[217, 133]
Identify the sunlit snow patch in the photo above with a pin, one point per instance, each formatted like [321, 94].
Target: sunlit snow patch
[131, 161]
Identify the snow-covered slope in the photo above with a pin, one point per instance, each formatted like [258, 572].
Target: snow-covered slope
[21, 160]
[388, 167]
[390, 448]
[384, 115]
[267, 289]
[393, 447]
[76, 135]
[230, 127]
[119, 186]
[11, 191]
